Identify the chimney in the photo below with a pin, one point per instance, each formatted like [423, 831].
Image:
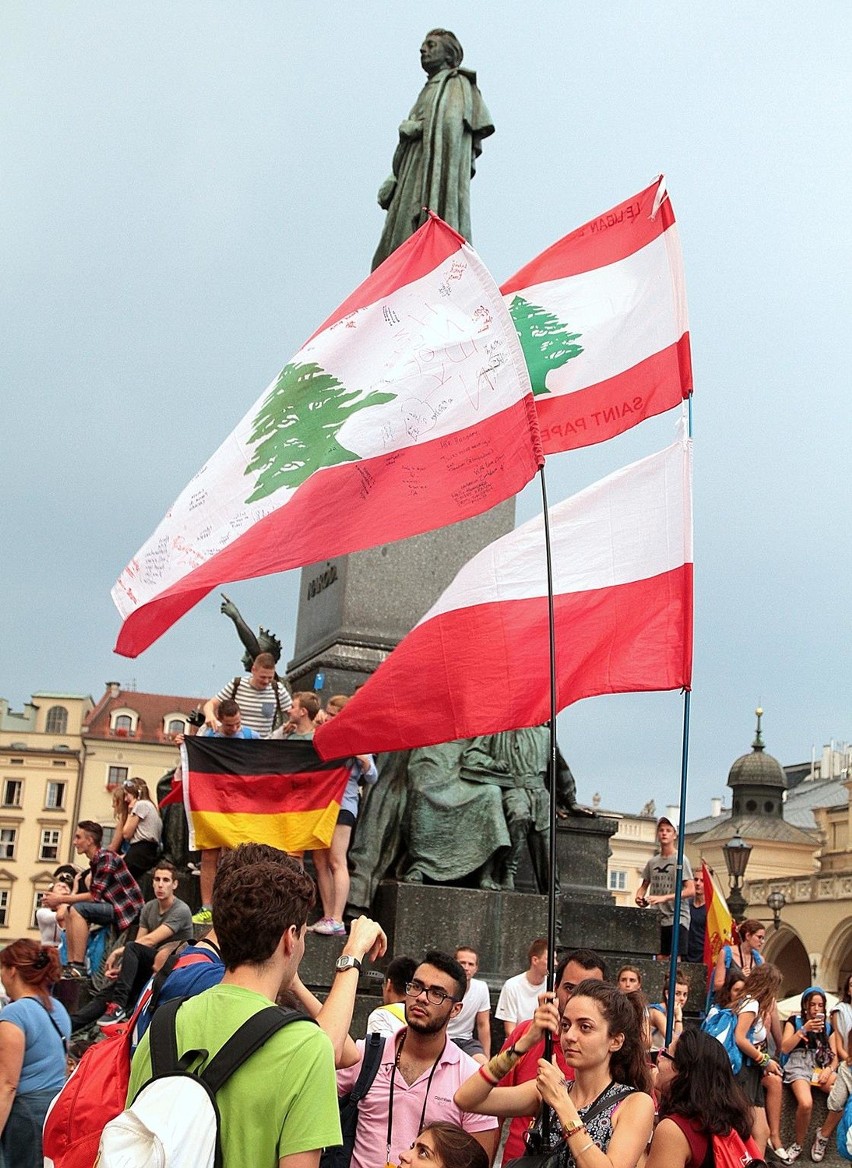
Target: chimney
[673, 812]
[716, 807]
[114, 688]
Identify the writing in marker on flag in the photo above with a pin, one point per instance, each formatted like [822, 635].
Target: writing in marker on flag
[259, 790]
[409, 409]
[622, 565]
[602, 319]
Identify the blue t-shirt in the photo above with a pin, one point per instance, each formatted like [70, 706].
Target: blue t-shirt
[184, 983]
[44, 1054]
[243, 732]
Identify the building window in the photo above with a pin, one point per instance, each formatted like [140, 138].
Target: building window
[57, 720]
[51, 837]
[59, 762]
[176, 726]
[618, 881]
[123, 724]
[13, 792]
[8, 842]
[116, 776]
[37, 899]
[55, 796]
[5, 896]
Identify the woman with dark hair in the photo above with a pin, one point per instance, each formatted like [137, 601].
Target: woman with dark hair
[745, 956]
[606, 1109]
[754, 1011]
[139, 826]
[444, 1145]
[700, 1099]
[34, 1033]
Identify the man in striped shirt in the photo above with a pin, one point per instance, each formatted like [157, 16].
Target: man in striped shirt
[263, 700]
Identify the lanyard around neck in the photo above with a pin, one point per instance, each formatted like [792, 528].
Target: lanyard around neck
[425, 1097]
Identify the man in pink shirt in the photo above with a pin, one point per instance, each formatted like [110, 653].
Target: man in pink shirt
[420, 1072]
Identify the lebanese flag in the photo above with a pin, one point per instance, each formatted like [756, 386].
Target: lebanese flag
[409, 409]
[720, 924]
[478, 662]
[268, 791]
[602, 319]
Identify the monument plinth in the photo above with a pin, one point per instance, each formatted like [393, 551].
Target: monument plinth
[353, 610]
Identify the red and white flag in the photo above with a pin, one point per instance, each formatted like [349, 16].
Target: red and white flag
[408, 410]
[602, 319]
[478, 661]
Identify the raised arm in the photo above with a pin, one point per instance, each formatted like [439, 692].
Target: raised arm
[481, 1093]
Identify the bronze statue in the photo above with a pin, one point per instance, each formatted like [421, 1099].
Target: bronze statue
[424, 817]
[439, 143]
[264, 642]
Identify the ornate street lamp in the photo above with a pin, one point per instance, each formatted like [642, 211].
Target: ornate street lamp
[736, 852]
[775, 903]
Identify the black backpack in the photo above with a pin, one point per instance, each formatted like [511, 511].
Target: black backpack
[341, 1155]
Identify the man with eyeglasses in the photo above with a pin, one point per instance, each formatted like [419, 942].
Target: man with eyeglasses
[574, 967]
[420, 1071]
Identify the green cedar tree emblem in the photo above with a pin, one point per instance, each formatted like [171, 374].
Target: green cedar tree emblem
[295, 430]
[545, 340]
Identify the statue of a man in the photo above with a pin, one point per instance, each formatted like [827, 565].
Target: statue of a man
[439, 143]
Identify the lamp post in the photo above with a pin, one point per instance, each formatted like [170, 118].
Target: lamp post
[775, 903]
[736, 852]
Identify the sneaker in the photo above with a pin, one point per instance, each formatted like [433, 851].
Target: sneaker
[204, 916]
[780, 1153]
[793, 1153]
[818, 1147]
[113, 1015]
[330, 928]
[74, 972]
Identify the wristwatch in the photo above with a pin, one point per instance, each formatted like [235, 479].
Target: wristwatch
[347, 962]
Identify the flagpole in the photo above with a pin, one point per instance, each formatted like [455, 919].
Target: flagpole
[681, 825]
[681, 830]
[551, 769]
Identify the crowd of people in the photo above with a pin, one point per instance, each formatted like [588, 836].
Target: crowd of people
[630, 1082]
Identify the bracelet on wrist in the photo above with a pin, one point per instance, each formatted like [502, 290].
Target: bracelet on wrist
[584, 1148]
[765, 1060]
[501, 1064]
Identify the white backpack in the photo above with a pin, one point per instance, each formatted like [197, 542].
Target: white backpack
[173, 1122]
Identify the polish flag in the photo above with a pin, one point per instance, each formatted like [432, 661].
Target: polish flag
[409, 409]
[478, 662]
[602, 319]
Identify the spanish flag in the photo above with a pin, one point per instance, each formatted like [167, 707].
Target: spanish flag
[721, 929]
[238, 790]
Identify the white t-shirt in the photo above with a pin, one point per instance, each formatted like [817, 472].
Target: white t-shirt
[474, 1002]
[518, 999]
[757, 1033]
[386, 1020]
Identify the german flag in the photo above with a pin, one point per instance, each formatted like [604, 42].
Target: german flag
[244, 790]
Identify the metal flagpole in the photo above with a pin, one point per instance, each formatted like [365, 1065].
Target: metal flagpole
[681, 828]
[551, 769]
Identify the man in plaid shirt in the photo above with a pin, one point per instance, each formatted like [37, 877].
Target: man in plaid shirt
[113, 896]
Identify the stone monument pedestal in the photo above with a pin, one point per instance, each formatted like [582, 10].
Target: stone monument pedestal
[353, 610]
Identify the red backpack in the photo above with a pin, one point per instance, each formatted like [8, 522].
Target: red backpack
[731, 1151]
[95, 1093]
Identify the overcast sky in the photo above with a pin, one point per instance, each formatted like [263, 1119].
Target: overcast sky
[188, 190]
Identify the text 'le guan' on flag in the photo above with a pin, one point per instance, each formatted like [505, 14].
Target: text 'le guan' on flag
[720, 924]
[239, 790]
[603, 323]
[622, 565]
[408, 410]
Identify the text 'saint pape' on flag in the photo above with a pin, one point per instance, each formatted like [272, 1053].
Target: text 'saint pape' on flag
[622, 563]
[602, 319]
[408, 410]
[238, 790]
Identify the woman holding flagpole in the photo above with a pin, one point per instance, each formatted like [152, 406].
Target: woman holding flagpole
[604, 1118]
